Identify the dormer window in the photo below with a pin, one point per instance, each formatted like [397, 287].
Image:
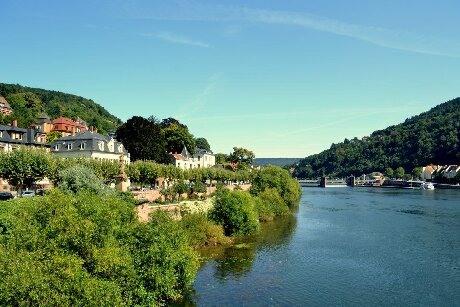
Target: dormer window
[1, 134]
[69, 146]
[120, 148]
[100, 145]
[82, 146]
[56, 147]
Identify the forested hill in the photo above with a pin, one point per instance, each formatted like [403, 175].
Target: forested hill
[29, 103]
[431, 137]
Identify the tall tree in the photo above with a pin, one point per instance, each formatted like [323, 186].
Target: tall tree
[177, 136]
[241, 155]
[143, 139]
[202, 143]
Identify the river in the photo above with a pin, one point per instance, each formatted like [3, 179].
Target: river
[344, 246]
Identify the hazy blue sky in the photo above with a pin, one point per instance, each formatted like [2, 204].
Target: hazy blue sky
[283, 78]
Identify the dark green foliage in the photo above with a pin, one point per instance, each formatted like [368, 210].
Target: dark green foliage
[429, 138]
[235, 212]
[79, 250]
[202, 143]
[202, 231]
[399, 172]
[177, 136]
[143, 139]
[241, 155]
[274, 177]
[29, 103]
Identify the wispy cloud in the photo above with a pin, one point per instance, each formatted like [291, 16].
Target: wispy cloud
[200, 100]
[177, 39]
[387, 38]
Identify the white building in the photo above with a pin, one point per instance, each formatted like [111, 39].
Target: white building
[89, 144]
[201, 159]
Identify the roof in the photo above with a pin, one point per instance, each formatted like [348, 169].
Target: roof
[4, 102]
[12, 128]
[66, 121]
[178, 157]
[85, 135]
[431, 168]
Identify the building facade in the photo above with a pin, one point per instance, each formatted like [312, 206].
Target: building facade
[67, 126]
[90, 145]
[11, 137]
[201, 159]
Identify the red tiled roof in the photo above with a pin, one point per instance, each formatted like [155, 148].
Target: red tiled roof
[178, 157]
[66, 121]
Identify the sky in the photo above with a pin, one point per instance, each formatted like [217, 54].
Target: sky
[283, 78]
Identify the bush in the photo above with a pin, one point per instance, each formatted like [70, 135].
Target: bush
[202, 231]
[78, 178]
[84, 249]
[235, 212]
[274, 177]
[270, 204]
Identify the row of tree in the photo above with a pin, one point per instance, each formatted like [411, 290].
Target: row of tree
[432, 137]
[24, 166]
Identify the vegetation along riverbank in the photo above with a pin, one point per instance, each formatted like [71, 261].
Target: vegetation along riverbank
[83, 243]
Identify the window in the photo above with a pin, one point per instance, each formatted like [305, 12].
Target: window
[1, 134]
[69, 146]
[16, 136]
[100, 145]
[56, 147]
[120, 148]
[82, 145]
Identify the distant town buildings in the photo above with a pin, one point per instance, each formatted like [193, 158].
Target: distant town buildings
[11, 137]
[431, 172]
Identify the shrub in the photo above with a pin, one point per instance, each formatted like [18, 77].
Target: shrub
[84, 249]
[202, 231]
[76, 178]
[272, 198]
[235, 212]
[274, 177]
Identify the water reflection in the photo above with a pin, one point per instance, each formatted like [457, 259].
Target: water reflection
[236, 261]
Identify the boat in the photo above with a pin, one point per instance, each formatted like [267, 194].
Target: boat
[427, 186]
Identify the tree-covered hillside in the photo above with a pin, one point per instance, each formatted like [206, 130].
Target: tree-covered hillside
[431, 137]
[29, 103]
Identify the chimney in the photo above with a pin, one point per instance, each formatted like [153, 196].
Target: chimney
[15, 123]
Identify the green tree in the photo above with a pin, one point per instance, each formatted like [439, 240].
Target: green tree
[274, 177]
[53, 136]
[389, 172]
[24, 166]
[399, 172]
[241, 155]
[177, 137]
[143, 139]
[417, 172]
[221, 158]
[235, 211]
[202, 143]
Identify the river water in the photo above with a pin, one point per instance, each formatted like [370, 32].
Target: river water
[344, 246]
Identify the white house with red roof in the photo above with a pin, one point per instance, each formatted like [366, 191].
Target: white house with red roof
[201, 159]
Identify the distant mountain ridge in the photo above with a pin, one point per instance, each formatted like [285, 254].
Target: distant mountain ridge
[29, 103]
[429, 138]
[276, 161]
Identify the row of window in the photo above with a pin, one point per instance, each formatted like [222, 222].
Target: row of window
[82, 146]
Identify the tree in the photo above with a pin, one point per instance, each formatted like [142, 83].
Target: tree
[221, 158]
[24, 166]
[399, 172]
[417, 172]
[53, 136]
[143, 139]
[389, 172]
[202, 143]
[177, 136]
[241, 155]
[78, 177]
[235, 211]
